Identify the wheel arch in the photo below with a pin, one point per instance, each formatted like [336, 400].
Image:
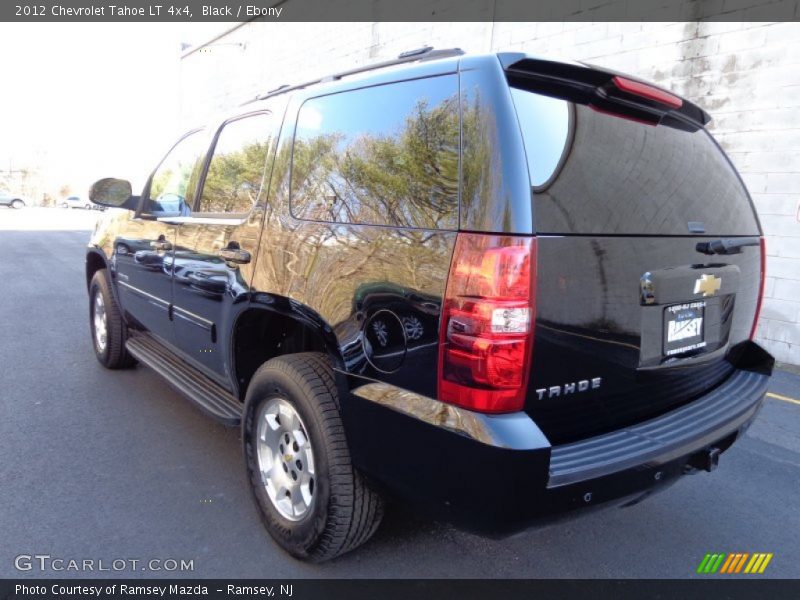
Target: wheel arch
[279, 327]
[95, 260]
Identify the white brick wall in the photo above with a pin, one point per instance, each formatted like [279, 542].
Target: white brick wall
[747, 75]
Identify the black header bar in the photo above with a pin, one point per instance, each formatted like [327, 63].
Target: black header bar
[391, 589]
[394, 10]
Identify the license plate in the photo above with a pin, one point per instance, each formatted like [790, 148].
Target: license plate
[684, 328]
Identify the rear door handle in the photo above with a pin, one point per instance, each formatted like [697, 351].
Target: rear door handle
[161, 245]
[235, 255]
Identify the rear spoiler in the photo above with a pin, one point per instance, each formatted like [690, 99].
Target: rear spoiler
[603, 90]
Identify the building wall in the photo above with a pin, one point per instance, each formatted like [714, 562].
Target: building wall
[746, 75]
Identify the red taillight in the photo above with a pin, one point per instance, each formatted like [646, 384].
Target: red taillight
[486, 336]
[760, 289]
[649, 92]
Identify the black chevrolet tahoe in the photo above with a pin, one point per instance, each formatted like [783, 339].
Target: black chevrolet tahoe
[499, 288]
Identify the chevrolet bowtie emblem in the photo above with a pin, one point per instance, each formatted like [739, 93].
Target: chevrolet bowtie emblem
[708, 285]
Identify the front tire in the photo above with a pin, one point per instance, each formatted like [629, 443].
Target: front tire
[18, 204]
[312, 500]
[108, 330]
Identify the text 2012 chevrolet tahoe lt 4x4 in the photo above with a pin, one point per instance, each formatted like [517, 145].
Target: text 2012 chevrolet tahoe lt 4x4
[498, 287]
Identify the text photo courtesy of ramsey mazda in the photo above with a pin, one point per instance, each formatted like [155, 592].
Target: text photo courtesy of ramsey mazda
[497, 288]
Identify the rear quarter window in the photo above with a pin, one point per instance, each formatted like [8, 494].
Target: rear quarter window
[382, 155]
[593, 173]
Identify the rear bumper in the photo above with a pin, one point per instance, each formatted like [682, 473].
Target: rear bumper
[673, 435]
[496, 474]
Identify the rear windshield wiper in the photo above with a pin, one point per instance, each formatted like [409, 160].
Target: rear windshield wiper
[727, 246]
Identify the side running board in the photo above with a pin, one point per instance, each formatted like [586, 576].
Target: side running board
[212, 398]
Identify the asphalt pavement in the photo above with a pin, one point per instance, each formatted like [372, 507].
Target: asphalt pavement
[104, 466]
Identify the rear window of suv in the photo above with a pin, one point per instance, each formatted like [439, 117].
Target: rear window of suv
[593, 173]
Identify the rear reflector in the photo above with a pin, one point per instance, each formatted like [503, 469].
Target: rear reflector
[486, 337]
[647, 91]
[760, 289]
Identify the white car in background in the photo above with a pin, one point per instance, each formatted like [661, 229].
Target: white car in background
[78, 202]
[11, 200]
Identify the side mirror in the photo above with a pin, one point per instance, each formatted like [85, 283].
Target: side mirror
[115, 193]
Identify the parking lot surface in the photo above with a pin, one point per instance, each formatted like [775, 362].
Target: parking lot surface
[104, 465]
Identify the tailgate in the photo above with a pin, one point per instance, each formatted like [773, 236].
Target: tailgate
[634, 316]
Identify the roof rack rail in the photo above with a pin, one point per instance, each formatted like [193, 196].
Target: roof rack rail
[419, 54]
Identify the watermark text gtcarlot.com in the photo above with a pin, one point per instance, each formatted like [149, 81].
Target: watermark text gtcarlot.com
[46, 563]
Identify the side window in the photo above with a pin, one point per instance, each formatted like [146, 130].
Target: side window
[546, 125]
[172, 185]
[236, 171]
[384, 155]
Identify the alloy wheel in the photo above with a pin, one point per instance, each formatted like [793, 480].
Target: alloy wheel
[100, 322]
[285, 459]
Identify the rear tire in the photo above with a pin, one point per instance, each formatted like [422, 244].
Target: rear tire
[18, 204]
[333, 511]
[109, 332]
